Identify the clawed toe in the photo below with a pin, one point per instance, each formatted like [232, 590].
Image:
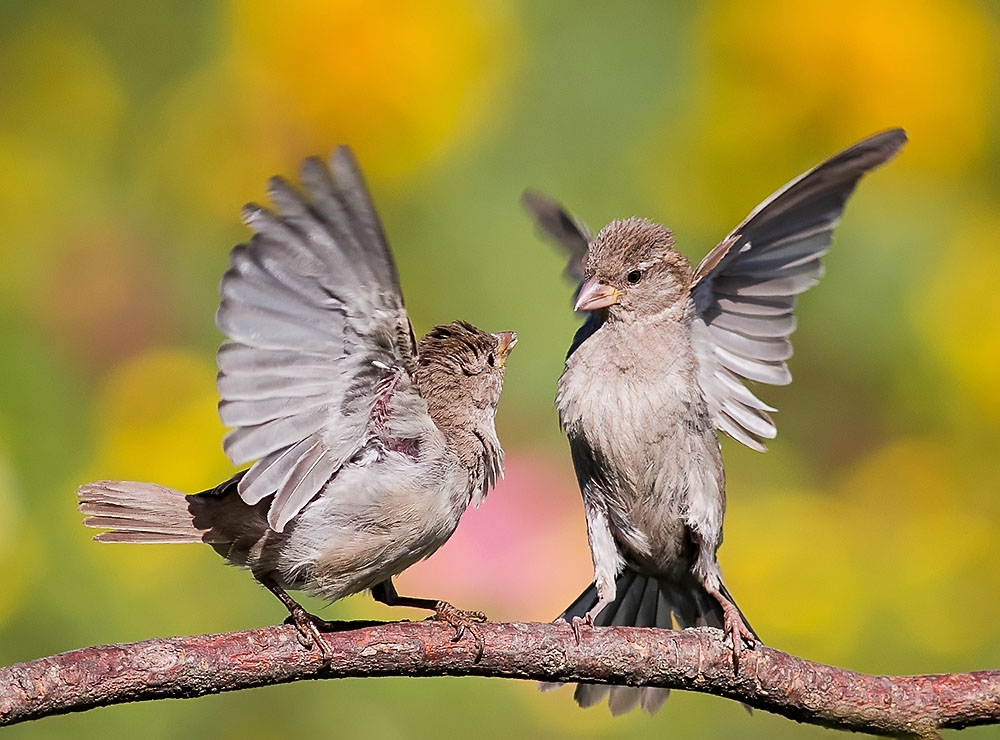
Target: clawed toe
[302, 633]
[309, 635]
[305, 623]
[733, 625]
[463, 621]
[738, 633]
[578, 623]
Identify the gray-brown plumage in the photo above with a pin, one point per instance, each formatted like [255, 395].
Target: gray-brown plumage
[369, 446]
[658, 369]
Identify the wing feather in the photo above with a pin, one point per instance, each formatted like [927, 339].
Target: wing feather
[774, 373]
[237, 360]
[743, 292]
[248, 413]
[315, 315]
[771, 350]
[250, 387]
[269, 472]
[561, 227]
[311, 471]
[756, 326]
[252, 442]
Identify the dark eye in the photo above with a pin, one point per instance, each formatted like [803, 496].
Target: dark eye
[491, 360]
[634, 277]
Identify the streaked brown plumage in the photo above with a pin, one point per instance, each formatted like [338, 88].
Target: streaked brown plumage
[369, 445]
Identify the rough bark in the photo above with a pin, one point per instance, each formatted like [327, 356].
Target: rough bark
[696, 660]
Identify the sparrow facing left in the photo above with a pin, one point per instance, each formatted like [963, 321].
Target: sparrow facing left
[657, 369]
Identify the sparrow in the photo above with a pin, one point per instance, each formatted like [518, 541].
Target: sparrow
[657, 370]
[368, 445]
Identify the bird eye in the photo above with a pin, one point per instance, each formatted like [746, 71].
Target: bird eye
[634, 277]
[491, 360]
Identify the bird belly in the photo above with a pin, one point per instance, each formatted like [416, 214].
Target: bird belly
[679, 504]
[372, 523]
[648, 425]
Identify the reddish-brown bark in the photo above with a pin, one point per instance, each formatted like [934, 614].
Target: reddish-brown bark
[696, 660]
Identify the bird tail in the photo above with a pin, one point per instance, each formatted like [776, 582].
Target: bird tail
[146, 512]
[644, 601]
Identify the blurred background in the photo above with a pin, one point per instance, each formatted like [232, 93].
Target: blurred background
[131, 134]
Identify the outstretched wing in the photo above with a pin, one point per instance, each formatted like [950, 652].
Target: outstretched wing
[313, 309]
[561, 227]
[744, 290]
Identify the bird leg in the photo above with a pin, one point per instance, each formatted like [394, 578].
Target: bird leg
[607, 557]
[463, 621]
[587, 620]
[307, 624]
[734, 625]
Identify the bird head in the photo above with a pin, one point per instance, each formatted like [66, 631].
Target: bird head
[466, 363]
[633, 270]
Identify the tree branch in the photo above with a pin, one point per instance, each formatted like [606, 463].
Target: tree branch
[696, 660]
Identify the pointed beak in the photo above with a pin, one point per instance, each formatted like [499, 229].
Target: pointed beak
[595, 294]
[505, 343]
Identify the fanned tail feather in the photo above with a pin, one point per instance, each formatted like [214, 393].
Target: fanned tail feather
[139, 512]
[642, 601]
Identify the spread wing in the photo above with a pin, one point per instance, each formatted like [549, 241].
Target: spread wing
[556, 223]
[565, 230]
[744, 290]
[313, 309]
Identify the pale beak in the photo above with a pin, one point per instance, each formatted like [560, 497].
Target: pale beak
[505, 343]
[594, 295]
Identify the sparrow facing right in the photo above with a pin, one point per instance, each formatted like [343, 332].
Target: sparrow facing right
[369, 445]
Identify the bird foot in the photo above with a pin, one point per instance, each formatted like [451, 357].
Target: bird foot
[309, 628]
[578, 624]
[463, 621]
[737, 631]
[587, 620]
[733, 625]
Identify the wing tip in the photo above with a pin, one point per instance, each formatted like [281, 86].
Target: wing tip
[251, 213]
[893, 137]
[312, 168]
[343, 160]
[534, 201]
[746, 438]
[891, 142]
[278, 187]
[877, 149]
